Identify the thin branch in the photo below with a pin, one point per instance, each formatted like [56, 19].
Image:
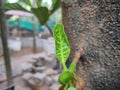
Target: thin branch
[50, 30]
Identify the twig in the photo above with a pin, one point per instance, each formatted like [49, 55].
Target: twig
[50, 30]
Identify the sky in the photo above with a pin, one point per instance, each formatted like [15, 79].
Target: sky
[49, 1]
[12, 1]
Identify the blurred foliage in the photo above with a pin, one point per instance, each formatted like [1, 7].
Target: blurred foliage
[41, 12]
[55, 5]
[14, 6]
[38, 2]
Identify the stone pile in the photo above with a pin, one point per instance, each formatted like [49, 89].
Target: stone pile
[40, 75]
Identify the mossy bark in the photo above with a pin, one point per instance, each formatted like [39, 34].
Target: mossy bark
[94, 27]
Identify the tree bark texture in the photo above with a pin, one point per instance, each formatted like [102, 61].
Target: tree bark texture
[94, 27]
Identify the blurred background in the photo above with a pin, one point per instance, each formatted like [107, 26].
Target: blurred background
[29, 25]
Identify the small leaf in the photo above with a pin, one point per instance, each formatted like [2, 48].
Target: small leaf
[55, 4]
[72, 67]
[65, 77]
[61, 43]
[72, 88]
[14, 6]
[41, 13]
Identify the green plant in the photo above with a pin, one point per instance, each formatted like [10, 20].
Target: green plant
[42, 13]
[68, 78]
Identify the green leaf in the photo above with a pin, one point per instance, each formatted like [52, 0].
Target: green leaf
[71, 88]
[38, 2]
[14, 6]
[61, 43]
[41, 13]
[27, 2]
[55, 4]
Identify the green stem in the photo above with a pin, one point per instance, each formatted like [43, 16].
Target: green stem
[64, 66]
[66, 86]
[71, 83]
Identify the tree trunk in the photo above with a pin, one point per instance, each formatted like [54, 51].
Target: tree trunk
[94, 27]
[5, 43]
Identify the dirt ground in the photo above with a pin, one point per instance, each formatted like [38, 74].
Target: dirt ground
[18, 83]
[21, 57]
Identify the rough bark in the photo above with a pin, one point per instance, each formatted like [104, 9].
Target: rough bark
[94, 26]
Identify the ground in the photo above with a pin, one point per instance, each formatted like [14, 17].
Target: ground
[23, 63]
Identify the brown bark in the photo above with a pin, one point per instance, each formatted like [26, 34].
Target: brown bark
[94, 27]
